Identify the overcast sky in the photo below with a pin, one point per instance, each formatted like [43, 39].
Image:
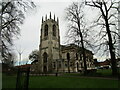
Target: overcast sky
[30, 30]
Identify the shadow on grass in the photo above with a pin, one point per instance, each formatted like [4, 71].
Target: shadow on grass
[66, 80]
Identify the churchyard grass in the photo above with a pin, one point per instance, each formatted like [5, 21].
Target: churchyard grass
[105, 72]
[99, 73]
[61, 82]
[8, 81]
[71, 82]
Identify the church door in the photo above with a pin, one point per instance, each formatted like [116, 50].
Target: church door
[45, 62]
[45, 69]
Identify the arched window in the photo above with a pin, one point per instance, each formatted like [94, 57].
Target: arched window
[45, 57]
[68, 56]
[80, 56]
[54, 30]
[77, 66]
[76, 56]
[46, 30]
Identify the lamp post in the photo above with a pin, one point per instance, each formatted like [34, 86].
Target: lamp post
[57, 67]
[57, 61]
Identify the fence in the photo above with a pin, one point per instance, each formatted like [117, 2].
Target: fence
[22, 78]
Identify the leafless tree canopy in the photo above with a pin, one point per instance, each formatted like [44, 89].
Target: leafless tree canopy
[75, 14]
[107, 23]
[77, 32]
[106, 26]
[12, 16]
[107, 11]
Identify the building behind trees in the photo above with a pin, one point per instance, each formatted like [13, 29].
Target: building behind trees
[53, 57]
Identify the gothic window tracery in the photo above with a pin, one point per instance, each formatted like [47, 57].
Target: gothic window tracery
[54, 30]
[46, 30]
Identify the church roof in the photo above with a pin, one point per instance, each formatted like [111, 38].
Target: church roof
[73, 47]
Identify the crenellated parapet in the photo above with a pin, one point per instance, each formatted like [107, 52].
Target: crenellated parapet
[50, 18]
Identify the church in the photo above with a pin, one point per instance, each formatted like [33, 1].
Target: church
[54, 57]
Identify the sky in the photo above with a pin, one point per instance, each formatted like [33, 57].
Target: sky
[29, 39]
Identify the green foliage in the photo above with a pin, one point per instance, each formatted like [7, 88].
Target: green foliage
[34, 55]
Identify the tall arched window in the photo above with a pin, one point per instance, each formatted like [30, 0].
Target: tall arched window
[54, 30]
[68, 56]
[76, 56]
[77, 66]
[46, 30]
[45, 57]
[68, 61]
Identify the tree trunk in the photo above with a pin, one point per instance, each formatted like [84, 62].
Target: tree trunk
[84, 57]
[83, 49]
[68, 66]
[111, 49]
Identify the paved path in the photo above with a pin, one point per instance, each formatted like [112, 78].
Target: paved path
[93, 77]
[61, 75]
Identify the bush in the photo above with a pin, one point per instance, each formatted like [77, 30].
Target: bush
[92, 71]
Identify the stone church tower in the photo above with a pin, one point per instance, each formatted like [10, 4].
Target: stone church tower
[49, 44]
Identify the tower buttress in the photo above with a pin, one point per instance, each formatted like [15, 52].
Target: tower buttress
[42, 19]
[54, 16]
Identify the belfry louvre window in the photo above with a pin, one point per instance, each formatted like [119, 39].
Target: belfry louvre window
[54, 30]
[46, 30]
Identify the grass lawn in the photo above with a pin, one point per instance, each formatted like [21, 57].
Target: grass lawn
[99, 73]
[105, 72]
[62, 82]
[8, 81]
[0, 80]
[70, 82]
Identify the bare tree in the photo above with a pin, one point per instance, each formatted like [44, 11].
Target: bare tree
[12, 58]
[12, 16]
[77, 28]
[68, 62]
[107, 22]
